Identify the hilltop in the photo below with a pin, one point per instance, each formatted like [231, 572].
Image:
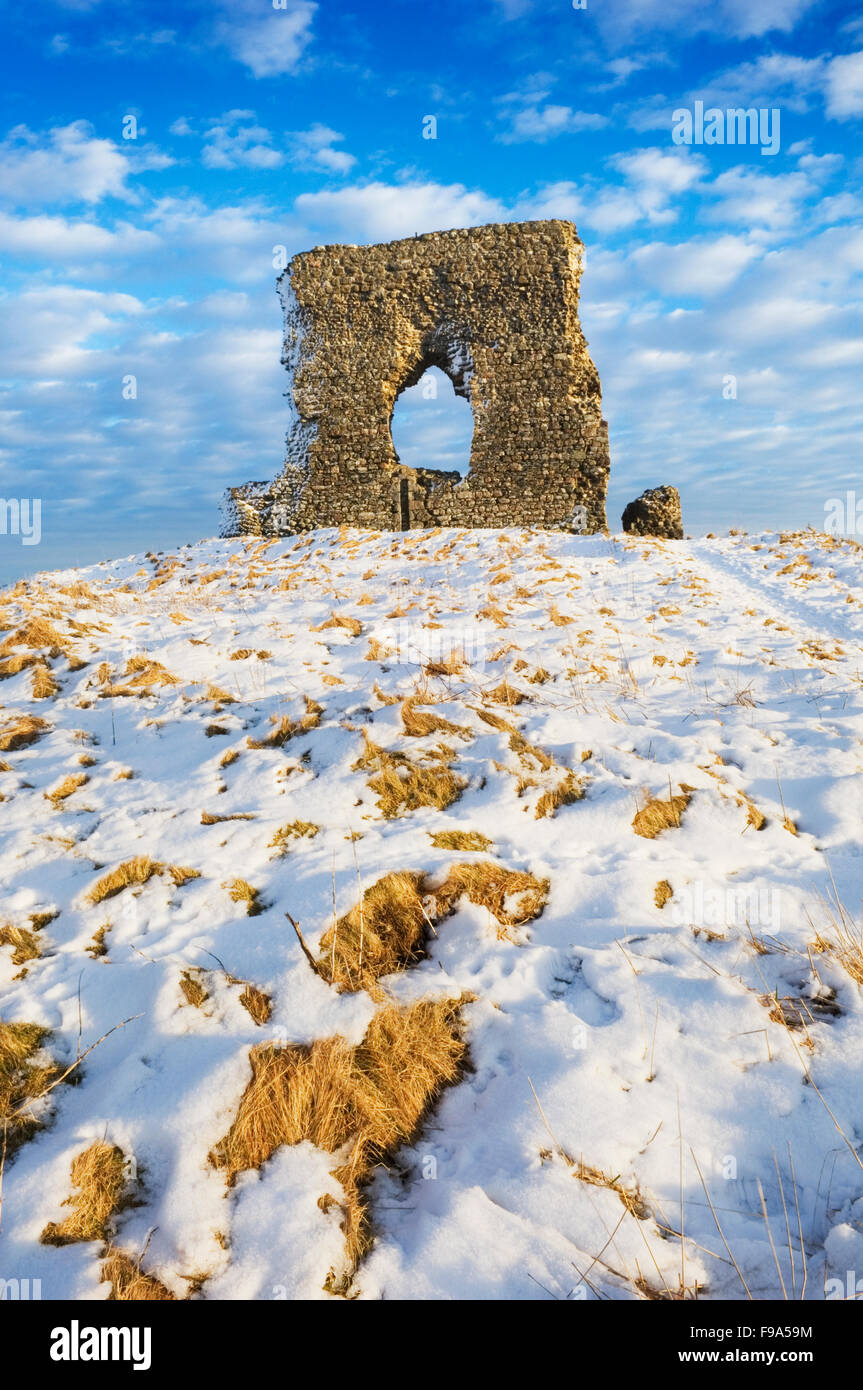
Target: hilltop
[558, 835]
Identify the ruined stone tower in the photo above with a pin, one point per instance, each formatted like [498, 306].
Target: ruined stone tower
[496, 309]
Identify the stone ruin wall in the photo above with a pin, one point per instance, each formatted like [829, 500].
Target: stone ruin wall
[496, 308]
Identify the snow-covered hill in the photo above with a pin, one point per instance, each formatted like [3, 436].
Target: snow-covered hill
[661, 1017]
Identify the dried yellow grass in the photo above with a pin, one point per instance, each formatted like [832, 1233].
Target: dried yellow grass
[461, 840]
[137, 871]
[219, 696]
[239, 891]
[128, 1282]
[372, 1098]
[44, 685]
[840, 936]
[451, 665]
[37, 633]
[419, 723]
[511, 897]
[297, 830]
[402, 785]
[66, 787]
[376, 651]
[13, 665]
[25, 943]
[257, 1004]
[20, 730]
[569, 789]
[754, 817]
[24, 1078]
[351, 625]
[192, 989]
[211, 818]
[141, 676]
[286, 728]
[658, 814]
[662, 893]
[97, 947]
[506, 694]
[99, 1173]
[389, 928]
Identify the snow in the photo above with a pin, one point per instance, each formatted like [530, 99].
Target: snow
[633, 1039]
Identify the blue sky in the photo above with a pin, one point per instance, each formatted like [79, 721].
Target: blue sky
[258, 127]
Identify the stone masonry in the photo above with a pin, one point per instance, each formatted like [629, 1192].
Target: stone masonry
[496, 309]
[655, 513]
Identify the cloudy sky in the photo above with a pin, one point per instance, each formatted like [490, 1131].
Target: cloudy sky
[153, 155]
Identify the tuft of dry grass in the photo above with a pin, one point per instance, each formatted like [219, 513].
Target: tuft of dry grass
[511, 897]
[419, 723]
[24, 1078]
[754, 817]
[20, 731]
[342, 620]
[389, 928]
[461, 840]
[13, 665]
[137, 871]
[44, 685]
[25, 944]
[371, 1098]
[66, 787]
[297, 830]
[841, 937]
[285, 728]
[257, 1004]
[662, 893]
[192, 988]
[97, 947]
[230, 757]
[658, 814]
[128, 1281]
[402, 785]
[506, 694]
[239, 891]
[210, 818]
[569, 789]
[219, 696]
[141, 677]
[377, 651]
[384, 932]
[99, 1173]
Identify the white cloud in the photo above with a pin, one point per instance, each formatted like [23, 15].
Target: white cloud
[268, 41]
[700, 266]
[47, 330]
[58, 238]
[845, 86]
[751, 198]
[382, 212]
[233, 140]
[739, 19]
[314, 149]
[542, 123]
[69, 165]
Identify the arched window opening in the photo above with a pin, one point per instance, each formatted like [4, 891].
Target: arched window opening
[432, 427]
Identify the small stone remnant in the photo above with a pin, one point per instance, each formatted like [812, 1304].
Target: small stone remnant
[655, 513]
[496, 309]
